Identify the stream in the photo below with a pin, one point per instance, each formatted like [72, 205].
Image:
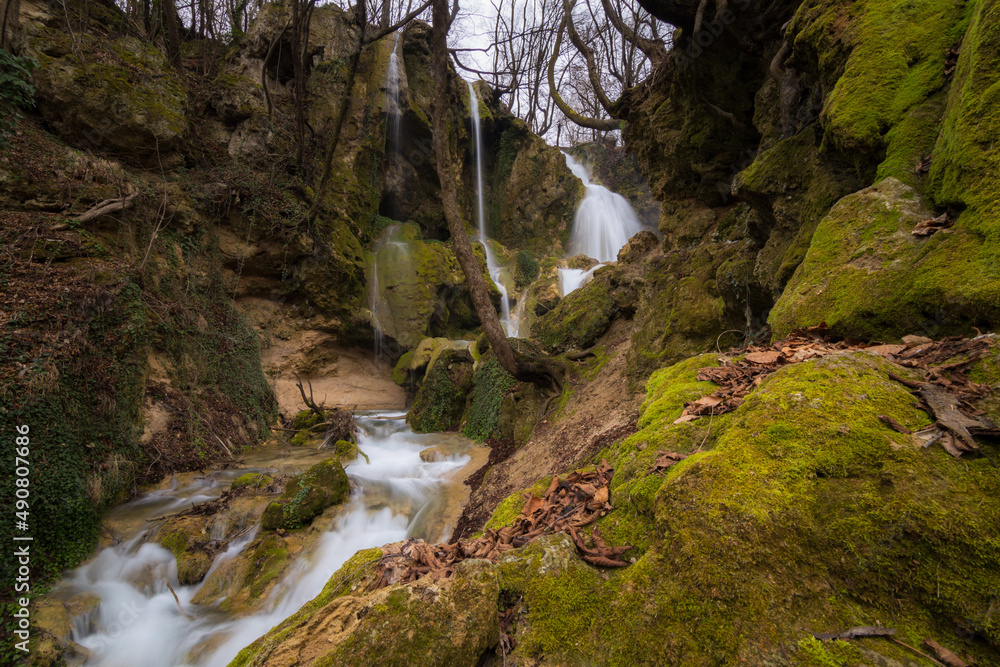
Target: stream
[138, 621]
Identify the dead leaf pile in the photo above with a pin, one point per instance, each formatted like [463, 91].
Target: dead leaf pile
[946, 393]
[737, 378]
[567, 506]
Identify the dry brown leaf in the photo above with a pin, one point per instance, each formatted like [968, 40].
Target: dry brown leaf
[768, 357]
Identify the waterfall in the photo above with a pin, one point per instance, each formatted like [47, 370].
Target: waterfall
[603, 224]
[391, 250]
[139, 621]
[491, 263]
[394, 112]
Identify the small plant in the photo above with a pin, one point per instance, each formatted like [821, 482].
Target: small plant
[16, 90]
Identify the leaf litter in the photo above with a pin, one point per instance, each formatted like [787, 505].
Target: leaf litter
[945, 393]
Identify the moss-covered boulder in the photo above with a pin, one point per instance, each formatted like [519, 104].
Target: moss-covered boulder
[186, 538]
[867, 275]
[306, 495]
[119, 96]
[799, 512]
[450, 622]
[580, 318]
[440, 401]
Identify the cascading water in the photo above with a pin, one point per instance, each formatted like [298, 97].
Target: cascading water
[394, 112]
[603, 224]
[491, 263]
[390, 251]
[139, 621]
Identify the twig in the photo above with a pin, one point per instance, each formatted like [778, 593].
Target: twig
[918, 652]
[178, 601]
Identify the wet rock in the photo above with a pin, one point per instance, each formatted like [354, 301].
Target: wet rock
[306, 495]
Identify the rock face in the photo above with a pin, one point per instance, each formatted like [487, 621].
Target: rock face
[827, 108]
[118, 96]
[421, 289]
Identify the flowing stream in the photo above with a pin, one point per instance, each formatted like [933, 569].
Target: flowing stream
[603, 224]
[491, 262]
[138, 621]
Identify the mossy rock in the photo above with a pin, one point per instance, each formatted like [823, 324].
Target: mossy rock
[451, 622]
[120, 96]
[402, 372]
[251, 480]
[306, 495]
[799, 512]
[791, 186]
[185, 538]
[440, 401]
[867, 276]
[491, 384]
[422, 289]
[306, 419]
[579, 319]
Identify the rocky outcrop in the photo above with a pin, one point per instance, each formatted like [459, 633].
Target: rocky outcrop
[114, 94]
[452, 622]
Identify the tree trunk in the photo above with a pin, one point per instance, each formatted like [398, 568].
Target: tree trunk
[9, 22]
[525, 370]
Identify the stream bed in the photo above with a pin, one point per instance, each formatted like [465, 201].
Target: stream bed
[138, 620]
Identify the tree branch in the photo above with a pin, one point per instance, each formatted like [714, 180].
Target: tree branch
[603, 125]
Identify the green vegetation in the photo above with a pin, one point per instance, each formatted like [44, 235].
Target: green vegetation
[440, 401]
[490, 384]
[16, 90]
[306, 495]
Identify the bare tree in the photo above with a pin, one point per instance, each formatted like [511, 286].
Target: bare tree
[539, 371]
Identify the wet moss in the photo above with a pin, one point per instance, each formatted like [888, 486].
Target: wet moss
[440, 401]
[579, 319]
[804, 513]
[306, 495]
[866, 276]
[897, 62]
[251, 480]
[489, 386]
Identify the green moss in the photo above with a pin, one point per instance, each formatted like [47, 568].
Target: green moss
[897, 62]
[268, 559]
[511, 506]
[440, 401]
[966, 158]
[490, 384]
[306, 495]
[252, 480]
[803, 513]
[306, 420]
[946, 283]
[401, 372]
[579, 320]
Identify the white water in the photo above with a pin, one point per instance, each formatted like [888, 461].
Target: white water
[491, 263]
[391, 250]
[573, 279]
[603, 224]
[395, 113]
[604, 221]
[138, 622]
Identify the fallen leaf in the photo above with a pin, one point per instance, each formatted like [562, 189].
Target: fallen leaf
[769, 357]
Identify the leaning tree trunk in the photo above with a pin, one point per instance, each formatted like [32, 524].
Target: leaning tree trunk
[534, 370]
